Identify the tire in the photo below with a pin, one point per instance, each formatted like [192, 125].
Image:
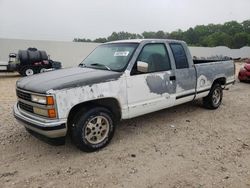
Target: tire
[27, 71]
[41, 70]
[214, 98]
[92, 129]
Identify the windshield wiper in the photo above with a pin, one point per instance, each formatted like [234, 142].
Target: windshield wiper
[98, 64]
[82, 65]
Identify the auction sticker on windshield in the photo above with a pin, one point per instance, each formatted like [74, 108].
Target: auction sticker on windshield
[121, 53]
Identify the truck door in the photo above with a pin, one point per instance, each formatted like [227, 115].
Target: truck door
[154, 88]
[185, 74]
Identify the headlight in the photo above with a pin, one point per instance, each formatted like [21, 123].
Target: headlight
[38, 99]
[42, 99]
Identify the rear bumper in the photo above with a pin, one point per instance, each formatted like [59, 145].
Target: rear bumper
[229, 84]
[47, 128]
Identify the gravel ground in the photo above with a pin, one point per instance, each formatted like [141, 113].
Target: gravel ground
[184, 146]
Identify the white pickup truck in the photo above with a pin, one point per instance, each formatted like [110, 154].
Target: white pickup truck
[118, 80]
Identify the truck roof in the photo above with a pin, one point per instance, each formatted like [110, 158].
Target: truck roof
[146, 40]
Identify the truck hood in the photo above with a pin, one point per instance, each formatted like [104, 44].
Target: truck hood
[65, 78]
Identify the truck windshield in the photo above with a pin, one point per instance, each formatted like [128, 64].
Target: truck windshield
[114, 57]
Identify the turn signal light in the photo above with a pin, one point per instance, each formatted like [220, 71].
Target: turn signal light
[50, 100]
[52, 113]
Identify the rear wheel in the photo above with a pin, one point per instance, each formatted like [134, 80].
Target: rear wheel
[214, 98]
[92, 129]
[42, 70]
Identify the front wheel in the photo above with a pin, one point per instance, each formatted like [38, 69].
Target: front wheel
[214, 98]
[92, 129]
[27, 71]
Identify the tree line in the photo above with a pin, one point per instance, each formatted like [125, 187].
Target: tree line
[231, 34]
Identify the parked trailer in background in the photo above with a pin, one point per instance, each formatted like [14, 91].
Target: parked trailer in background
[29, 62]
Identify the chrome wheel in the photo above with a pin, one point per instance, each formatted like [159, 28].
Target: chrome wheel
[216, 97]
[96, 130]
[29, 72]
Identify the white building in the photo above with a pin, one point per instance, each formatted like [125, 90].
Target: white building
[72, 53]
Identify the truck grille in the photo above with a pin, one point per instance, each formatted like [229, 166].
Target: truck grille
[26, 97]
[25, 107]
[26, 104]
[23, 95]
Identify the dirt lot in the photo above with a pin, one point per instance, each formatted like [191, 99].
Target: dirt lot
[185, 146]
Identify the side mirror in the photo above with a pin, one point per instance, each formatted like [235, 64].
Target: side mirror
[142, 66]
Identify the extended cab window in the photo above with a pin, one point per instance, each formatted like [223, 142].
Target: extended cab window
[180, 57]
[156, 56]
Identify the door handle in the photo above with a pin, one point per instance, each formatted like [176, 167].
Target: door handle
[172, 78]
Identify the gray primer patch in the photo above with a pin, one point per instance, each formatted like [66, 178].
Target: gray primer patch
[211, 70]
[186, 78]
[160, 86]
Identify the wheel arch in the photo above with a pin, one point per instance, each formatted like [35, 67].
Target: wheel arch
[111, 104]
[220, 80]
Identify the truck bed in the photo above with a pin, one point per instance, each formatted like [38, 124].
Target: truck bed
[208, 71]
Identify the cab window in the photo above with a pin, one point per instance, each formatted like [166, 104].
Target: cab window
[180, 57]
[155, 56]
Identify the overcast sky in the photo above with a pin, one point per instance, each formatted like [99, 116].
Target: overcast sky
[67, 19]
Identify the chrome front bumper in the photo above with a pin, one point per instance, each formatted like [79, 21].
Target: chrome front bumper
[45, 127]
